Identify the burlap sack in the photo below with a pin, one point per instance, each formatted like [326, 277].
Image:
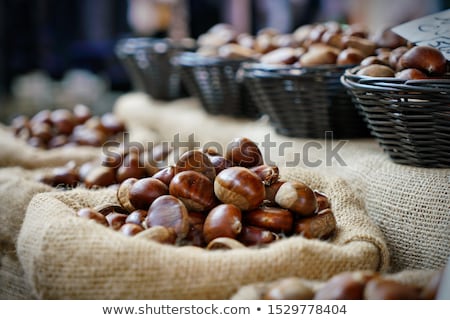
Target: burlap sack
[410, 205]
[254, 291]
[17, 187]
[68, 257]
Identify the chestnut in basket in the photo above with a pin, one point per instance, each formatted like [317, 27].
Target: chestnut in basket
[427, 59]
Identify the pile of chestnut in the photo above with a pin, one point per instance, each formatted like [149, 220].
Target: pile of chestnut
[110, 169]
[50, 129]
[217, 201]
[309, 45]
[356, 285]
[406, 63]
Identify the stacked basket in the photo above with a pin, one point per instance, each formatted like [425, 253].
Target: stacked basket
[409, 118]
[305, 102]
[148, 63]
[215, 82]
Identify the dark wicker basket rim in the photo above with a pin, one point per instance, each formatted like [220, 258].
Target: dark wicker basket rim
[130, 45]
[264, 69]
[193, 59]
[353, 81]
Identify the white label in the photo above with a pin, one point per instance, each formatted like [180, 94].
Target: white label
[432, 30]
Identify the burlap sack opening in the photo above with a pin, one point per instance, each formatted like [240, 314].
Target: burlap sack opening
[410, 205]
[254, 291]
[17, 187]
[66, 257]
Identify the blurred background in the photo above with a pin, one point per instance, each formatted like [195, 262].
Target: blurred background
[56, 53]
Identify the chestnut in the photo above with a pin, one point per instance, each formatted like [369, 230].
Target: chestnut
[411, 74]
[349, 56]
[63, 121]
[235, 51]
[427, 59]
[345, 286]
[219, 163]
[395, 56]
[271, 191]
[123, 194]
[320, 226]
[165, 175]
[244, 152]
[371, 60]
[137, 216]
[169, 212]
[364, 45]
[268, 174]
[111, 124]
[322, 200]
[376, 70]
[81, 113]
[297, 197]
[108, 208]
[285, 55]
[224, 243]
[92, 214]
[66, 176]
[159, 234]
[239, 186]
[130, 168]
[225, 220]
[253, 236]
[274, 219]
[144, 191]
[130, 229]
[198, 161]
[100, 177]
[385, 289]
[314, 58]
[194, 189]
[116, 220]
[288, 289]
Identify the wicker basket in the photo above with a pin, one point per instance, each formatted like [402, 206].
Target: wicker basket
[148, 62]
[216, 83]
[304, 102]
[125, 50]
[410, 119]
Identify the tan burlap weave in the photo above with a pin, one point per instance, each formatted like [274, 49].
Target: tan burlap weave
[410, 205]
[20, 166]
[17, 187]
[255, 291]
[68, 257]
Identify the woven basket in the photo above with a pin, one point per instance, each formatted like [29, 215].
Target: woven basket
[410, 119]
[216, 83]
[148, 62]
[304, 102]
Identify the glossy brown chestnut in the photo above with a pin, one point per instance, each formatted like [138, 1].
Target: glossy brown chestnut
[427, 59]
[349, 56]
[130, 229]
[194, 189]
[320, 226]
[244, 152]
[385, 289]
[165, 175]
[376, 70]
[285, 55]
[252, 236]
[63, 121]
[137, 216]
[268, 174]
[239, 186]
[100, 177]
[116, 220]
[288, 289]
[224, 243]
[92, 214]
[144, 191]
[345, 286]
[130, 168]
[314, 58]
[322, 201]
[297, 197]
[123, 194]
[270, 218]
[169, 212]
[411, 74]
[159, 234]
[196, 160]
[225, 220]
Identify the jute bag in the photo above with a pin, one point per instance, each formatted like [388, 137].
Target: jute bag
[17, 187]
[66, 257]
[410, 205]
[254, 291]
